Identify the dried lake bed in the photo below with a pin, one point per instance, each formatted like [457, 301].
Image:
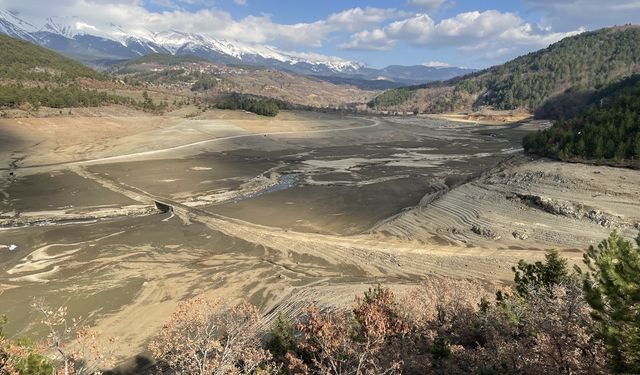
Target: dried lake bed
[282, 212]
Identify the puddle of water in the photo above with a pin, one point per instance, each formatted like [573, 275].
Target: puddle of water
[284, 182]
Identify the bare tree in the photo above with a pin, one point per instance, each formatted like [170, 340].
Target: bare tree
[440, 312]
[563, 341]
[204, 337]
[79, 348]
[352, 343]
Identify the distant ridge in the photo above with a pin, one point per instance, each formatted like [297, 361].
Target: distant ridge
[579, 63]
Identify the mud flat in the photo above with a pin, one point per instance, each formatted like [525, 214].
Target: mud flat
[283, 212]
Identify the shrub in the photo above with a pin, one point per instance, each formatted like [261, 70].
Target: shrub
[205, 337]
[281, 338]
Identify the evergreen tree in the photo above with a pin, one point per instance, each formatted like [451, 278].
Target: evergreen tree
[262, 106]
[22, 60]
[532, 277]
[612, 289]
[281, 339]
[608, 127]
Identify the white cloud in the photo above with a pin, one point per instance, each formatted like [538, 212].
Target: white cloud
[313, 34]
[357, 17]
[417, 30]
[240, 2]
[436, 64]
[476, 25]
[85, 26]
[131, 17]
[374, 40]
[490, 34]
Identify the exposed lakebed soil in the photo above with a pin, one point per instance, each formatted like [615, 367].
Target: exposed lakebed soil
[282, 212]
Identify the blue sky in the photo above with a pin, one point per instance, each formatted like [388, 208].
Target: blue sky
[465, 33]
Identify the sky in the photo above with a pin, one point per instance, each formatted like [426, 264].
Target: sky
[465, 33]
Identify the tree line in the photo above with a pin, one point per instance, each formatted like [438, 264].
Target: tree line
[552, 320]
[260, 106]
[608, 128]
[15, 96]
[392, 98]
[205, 83]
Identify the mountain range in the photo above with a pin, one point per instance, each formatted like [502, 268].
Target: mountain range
[32, 76]
[110, 44]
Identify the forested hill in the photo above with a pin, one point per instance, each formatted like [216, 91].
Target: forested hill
[32, 77]
[580, 63]
[607, 129]
[24, 61]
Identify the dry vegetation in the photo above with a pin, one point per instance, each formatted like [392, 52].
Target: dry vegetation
[208, 81]
[293, 89]
[203, 336]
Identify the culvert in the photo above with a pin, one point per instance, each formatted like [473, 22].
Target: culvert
[163, 207]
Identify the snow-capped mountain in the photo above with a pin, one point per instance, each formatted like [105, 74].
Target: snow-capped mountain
[12, 25]
[104, 45]
[109, 43]
[181, 43]
[59, 26]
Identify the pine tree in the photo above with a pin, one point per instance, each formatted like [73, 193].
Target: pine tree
[281, 340]
[612, 289]
[539, 275]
